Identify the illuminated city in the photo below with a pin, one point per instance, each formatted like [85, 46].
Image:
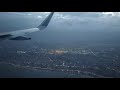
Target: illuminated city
[72, 61]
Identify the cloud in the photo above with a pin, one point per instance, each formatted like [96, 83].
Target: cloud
[88, 20]
[39, 16]
[111, 13]
[29, 14]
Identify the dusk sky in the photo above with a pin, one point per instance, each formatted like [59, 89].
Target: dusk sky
[74, 20]
[65, 26]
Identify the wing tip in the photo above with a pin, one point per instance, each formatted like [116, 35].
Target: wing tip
[45, 23]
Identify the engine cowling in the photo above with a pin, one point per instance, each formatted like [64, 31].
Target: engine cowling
[20, 38]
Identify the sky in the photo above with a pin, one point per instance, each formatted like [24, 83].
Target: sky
[74, 20]
[66, 26]
[80, 20]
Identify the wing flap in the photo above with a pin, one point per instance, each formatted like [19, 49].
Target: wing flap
[20, 38]
[5, 36]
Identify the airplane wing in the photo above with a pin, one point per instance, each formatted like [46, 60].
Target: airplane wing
[20, 34]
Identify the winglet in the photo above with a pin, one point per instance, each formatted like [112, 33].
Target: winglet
[45, 23]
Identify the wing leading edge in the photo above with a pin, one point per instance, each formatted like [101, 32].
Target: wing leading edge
[19, 35]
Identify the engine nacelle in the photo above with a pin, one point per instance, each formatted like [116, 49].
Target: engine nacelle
[20, 38]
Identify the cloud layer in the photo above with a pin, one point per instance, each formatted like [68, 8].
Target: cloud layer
[75, 20]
